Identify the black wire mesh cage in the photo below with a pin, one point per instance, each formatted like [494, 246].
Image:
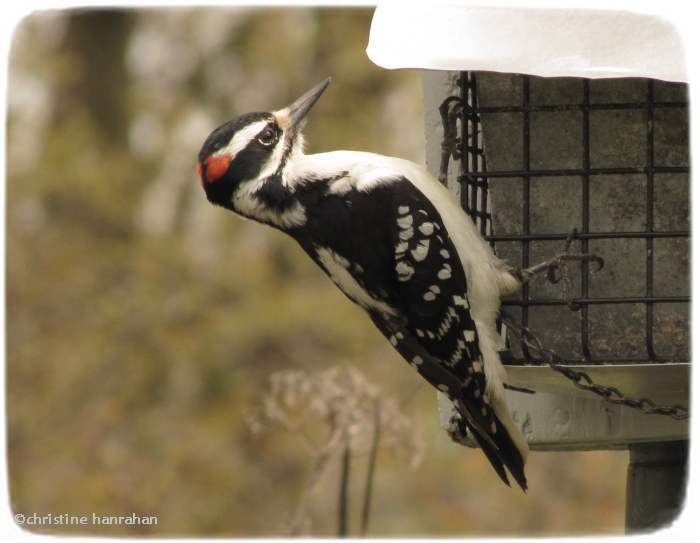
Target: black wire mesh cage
[540, 158]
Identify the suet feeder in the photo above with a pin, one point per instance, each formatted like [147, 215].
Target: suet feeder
[556, 127]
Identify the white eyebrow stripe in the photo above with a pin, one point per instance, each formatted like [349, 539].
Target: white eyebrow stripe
[242, 138]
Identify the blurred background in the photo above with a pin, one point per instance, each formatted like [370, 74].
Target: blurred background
[167, 358]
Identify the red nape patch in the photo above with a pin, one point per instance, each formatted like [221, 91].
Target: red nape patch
[215, 167]
[199, 172]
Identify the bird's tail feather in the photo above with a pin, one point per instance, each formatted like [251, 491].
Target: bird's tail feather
[511, 454]
[493, 429]
[491, 454]
[500, 450]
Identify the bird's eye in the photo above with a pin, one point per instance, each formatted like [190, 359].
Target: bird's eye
[267, 136]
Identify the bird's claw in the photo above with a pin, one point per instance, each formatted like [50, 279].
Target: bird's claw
[555, 269]
[554, 265]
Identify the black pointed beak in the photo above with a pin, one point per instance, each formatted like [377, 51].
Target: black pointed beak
[297, 111]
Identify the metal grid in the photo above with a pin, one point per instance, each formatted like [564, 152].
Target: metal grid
[474, 181]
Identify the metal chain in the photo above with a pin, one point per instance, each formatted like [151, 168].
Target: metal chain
[557, 272]
[583, 381]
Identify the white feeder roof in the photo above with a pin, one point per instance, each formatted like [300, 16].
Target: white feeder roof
[544, 42]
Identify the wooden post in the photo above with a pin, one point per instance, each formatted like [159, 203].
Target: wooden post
[656, 482]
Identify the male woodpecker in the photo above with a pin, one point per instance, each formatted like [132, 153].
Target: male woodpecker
[392, 238]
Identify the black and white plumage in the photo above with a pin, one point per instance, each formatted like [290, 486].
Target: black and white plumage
[391, 237]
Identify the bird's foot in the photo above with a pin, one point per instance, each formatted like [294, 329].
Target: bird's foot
[458, 431]
[554, 266]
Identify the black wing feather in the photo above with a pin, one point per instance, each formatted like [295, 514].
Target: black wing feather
[400, 253]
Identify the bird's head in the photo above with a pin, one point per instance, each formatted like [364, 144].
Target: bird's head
[252, 147]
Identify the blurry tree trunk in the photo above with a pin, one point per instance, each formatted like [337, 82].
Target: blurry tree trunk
[95, 44]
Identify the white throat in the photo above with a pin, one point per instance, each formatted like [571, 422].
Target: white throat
[248, 202]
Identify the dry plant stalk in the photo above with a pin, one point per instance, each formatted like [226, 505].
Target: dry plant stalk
[354, 414]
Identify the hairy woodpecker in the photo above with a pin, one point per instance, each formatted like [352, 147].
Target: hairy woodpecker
[392, 238]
